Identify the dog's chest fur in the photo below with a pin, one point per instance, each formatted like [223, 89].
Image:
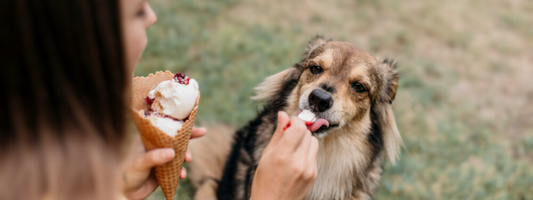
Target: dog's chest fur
[344, 169]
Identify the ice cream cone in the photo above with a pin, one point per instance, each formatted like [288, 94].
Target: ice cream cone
[168, 174]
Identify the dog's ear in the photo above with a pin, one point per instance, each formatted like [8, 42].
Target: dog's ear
[271, 88]
[313, 44]
[391, 76]
[392, 140]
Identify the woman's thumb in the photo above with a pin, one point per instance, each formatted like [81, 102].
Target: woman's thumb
[153, 158]
[283, 123]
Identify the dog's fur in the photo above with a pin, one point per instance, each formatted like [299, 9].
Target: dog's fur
[362, 128]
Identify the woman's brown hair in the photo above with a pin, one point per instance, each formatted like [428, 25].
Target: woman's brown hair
[64, 98]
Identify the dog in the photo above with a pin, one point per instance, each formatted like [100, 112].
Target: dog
[338, 82]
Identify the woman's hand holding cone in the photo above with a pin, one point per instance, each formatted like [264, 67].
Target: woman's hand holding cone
[138, 181]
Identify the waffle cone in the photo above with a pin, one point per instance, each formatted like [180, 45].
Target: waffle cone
[152, 137]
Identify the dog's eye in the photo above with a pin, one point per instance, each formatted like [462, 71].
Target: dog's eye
[315, 69]
[359, 87]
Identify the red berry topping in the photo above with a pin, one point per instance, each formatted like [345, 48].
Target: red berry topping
[149, 101]
[181, 78]
[308, 123]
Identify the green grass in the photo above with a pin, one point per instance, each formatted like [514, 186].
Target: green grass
[464, 103]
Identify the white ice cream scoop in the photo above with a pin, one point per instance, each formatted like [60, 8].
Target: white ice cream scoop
[174, 99]
[167, 125]
[312, 122]
[307, 116]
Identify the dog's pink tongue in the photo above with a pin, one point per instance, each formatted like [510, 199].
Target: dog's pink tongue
[318, 123]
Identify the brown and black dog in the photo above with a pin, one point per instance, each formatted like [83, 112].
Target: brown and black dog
[344, 85]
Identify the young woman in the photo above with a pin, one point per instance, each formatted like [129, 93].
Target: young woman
[66, 81]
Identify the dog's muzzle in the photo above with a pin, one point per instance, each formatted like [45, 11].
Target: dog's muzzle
[320, 100]
[321, 103]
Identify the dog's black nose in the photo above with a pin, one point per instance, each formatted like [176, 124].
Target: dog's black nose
[320, 101]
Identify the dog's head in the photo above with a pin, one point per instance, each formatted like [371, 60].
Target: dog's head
[345, 87]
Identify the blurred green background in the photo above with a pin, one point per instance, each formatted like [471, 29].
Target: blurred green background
[465, 101]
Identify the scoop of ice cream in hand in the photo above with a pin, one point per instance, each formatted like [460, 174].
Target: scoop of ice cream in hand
[307, 116]
[171, 103]
[311, 121]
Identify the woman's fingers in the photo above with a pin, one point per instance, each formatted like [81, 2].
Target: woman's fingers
[147, 188]
[307, 154]
[290, 169]
[305, 146]
[313, 150]
[198, 132]
[283, 122]
[183, 173]
[153, 158]
[294, 135]
[150, 185]
[188, 156]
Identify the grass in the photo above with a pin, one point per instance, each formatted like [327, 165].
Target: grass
[464, 104]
